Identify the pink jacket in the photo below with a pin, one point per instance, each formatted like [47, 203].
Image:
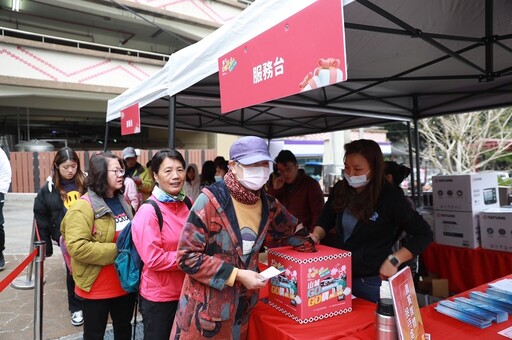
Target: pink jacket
[131, 193]
[161, 279]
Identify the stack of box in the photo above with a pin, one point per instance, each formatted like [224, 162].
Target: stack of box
[458, 201]
[313, 286]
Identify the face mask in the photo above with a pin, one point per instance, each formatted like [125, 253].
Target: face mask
[356, 181]
[254, 178]
[218, 179]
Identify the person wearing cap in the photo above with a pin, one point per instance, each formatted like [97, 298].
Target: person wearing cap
[139, 173]
[219, 245]
[300, 193]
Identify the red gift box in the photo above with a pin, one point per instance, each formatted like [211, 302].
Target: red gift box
[313, 286]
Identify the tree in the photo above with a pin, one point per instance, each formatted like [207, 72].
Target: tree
[467, 142]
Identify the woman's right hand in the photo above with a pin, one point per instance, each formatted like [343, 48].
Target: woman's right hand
[317, 234]
[250, 279]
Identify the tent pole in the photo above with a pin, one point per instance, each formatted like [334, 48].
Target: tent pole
[418, 173]
[489, 41]
[411, 159]
[106, 138]
[171, 143]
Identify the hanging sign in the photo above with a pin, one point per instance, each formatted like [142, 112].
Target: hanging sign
[130, 120]
[304, 52]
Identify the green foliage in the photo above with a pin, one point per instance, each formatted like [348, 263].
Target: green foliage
[505, 182]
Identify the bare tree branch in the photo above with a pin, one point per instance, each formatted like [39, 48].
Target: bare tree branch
[467, 142]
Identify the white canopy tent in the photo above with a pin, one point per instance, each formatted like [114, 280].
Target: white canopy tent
[198, 61]
[407, 59]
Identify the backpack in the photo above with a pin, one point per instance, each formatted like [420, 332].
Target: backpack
[128, 263]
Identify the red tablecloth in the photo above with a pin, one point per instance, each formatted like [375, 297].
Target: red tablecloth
[466, 268]
[268, 323]
[444, 327]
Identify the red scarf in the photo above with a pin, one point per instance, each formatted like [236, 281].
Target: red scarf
[238, 191]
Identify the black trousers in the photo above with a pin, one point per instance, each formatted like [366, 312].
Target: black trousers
[157, 318]
[74, 302]
[2, 233]
[96, 316]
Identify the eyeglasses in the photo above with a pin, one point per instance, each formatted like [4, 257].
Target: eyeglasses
[118, 172]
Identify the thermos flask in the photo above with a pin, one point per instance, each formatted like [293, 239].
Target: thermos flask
[385, 322]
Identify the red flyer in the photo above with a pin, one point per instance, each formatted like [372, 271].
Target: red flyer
[304, 52]
[407, 309]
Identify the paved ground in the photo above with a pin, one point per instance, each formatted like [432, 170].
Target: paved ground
[17, 305]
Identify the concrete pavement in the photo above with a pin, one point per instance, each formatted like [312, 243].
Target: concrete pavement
[16, 305]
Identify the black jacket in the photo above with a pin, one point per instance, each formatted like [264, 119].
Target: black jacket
[371, 243]
[49, 211]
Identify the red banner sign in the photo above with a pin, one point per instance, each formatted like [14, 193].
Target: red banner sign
[130, 120]
[304, 52]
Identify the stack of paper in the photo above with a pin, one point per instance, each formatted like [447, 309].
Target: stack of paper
[497, 314]
[481, 309]
[464, 313]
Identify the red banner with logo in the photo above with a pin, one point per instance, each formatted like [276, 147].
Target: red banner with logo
[130, 120]
[304, 52]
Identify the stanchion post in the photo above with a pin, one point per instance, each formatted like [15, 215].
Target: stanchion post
[38, 292]
[27, 282]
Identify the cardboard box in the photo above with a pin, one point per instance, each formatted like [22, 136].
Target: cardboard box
[457, 228]
[432, 289]
[471, 192]
[313, 286]
[496, 229]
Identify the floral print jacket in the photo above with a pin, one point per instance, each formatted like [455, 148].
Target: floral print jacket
[210, 248]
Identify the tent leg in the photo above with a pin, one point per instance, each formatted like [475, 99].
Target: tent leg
[411, 160]
[418, 173]
[171, 142]
[105, 142]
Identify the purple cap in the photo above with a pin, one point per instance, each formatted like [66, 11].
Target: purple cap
[249, 150]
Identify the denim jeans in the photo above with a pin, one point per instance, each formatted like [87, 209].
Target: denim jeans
[367, 288]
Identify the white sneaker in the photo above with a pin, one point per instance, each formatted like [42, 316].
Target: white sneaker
[77, 318]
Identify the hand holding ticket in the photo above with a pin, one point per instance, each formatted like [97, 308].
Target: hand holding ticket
[270, 272]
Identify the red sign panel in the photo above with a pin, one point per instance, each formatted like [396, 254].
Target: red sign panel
[130, 120]
[304, 52]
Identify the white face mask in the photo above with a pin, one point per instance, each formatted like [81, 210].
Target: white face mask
[254, 178]
[356, 181]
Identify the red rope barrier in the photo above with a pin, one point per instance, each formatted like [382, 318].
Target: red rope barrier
[9, 278]
[37, 230]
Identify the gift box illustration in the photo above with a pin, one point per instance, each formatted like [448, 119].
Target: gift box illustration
[313, 286]
[328, 72]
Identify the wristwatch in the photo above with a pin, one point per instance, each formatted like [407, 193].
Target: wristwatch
[394, 261]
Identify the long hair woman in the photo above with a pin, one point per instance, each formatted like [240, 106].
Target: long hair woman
[90, 229]
[61, 190]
